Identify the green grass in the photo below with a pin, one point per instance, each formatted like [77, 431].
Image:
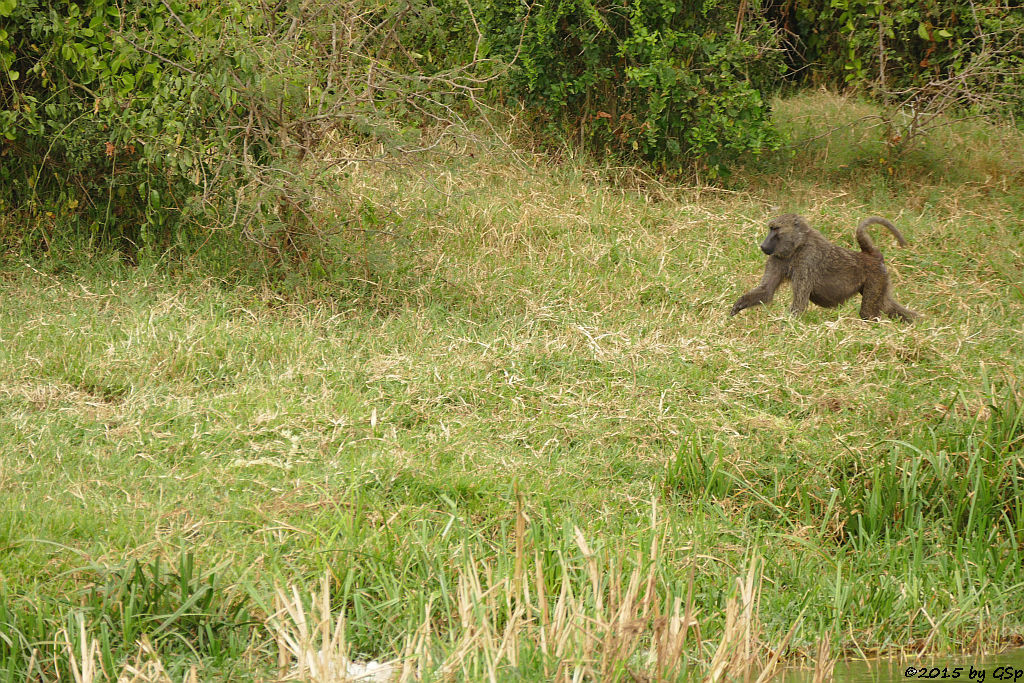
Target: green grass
[180, 438]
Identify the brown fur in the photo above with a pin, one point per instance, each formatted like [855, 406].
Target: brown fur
[824, 273]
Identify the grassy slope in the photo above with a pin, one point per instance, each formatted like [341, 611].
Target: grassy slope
[546, 327]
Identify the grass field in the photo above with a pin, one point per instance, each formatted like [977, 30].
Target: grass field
[515, 435]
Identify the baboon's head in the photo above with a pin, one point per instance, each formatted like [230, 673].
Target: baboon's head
[785, 235]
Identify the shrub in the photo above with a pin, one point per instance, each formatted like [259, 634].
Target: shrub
[676, 83]
[102, 108]
[139, 120]
[924, 59]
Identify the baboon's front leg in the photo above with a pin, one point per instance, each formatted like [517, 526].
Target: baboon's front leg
[801, 295]
[765, 290]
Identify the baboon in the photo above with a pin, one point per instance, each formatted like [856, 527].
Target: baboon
[824, 273]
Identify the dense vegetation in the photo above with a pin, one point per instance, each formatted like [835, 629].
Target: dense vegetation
[154, 120]
[414, 314]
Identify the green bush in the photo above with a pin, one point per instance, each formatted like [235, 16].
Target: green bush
[149, 120]
[102, 109]
[897, 47]
[675, 83]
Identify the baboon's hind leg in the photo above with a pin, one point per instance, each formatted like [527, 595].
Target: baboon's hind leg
[898, 312]
[871, 300]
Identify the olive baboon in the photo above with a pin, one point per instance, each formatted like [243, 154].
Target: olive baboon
[824, 273]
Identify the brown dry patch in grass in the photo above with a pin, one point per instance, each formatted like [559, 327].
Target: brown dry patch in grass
[62, 397]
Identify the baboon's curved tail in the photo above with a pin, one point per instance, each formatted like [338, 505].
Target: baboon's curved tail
[864, 240]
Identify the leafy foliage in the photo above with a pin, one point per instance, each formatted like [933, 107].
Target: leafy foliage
[925, 59]
[138, 119]
[672, 82]
[905, 43]
[104, 104]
